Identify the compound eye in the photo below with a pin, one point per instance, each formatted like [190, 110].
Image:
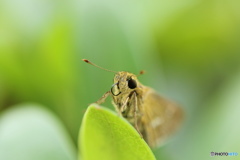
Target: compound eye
[132, 84]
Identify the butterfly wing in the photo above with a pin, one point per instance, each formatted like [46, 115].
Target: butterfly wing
[160, 118]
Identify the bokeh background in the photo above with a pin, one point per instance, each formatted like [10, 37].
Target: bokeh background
[190, 50]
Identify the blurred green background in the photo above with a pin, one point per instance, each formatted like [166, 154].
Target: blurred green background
[190, 51]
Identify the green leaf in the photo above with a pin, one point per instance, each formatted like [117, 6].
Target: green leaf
[30, 132]
[104, 135]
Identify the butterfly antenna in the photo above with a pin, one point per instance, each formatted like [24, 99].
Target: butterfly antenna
[87, 61]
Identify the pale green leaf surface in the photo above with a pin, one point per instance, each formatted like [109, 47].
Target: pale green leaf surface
[30, 132]
[104, 135]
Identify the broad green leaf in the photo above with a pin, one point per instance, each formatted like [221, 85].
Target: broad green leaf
[30, 132]
[104, 135]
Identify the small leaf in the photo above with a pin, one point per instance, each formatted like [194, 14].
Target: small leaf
[104, 135]
[31, 132]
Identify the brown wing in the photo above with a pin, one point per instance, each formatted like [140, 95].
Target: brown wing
[160, 118]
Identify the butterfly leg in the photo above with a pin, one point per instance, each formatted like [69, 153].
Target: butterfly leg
[103, 98]
[136, 114]
[123, 107]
